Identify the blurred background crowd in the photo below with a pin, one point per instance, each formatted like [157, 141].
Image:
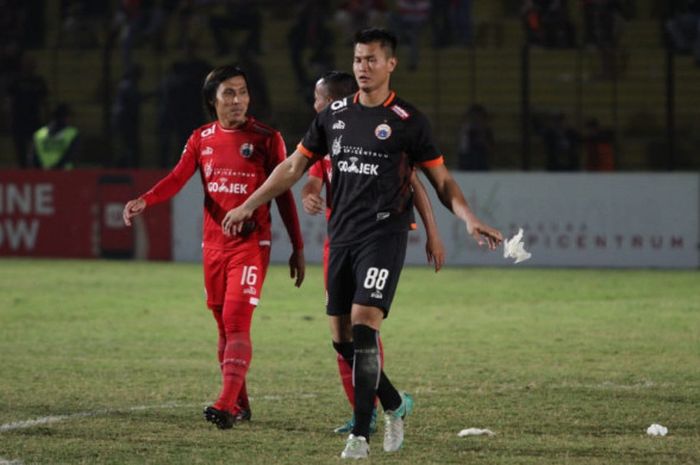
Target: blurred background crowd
[556, 85]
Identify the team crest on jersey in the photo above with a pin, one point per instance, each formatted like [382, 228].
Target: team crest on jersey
[336, 148]
[340, 124]
[383, 131]
[208, 169]
[207, 151]
[246, 150]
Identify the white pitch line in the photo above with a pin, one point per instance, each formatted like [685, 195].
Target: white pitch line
[10, 462]
[59, 418]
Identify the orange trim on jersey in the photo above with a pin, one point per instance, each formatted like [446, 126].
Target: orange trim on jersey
[386, 103]
[304, 151]
[434, 162]
[389, 99]
[414, 226]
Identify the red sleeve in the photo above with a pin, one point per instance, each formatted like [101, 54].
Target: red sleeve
[288, 212]
[177, 178]
[316, 170]
[285, 201]
[277, 152]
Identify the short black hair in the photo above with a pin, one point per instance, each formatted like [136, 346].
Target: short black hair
[339, 84]
[214, 79]
[386, 39]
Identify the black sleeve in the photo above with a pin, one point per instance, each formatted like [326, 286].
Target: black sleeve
[421, 146]
[315, 139]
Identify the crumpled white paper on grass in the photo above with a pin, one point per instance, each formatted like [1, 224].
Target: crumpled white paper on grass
[475, 432]
[515, 248]
[657, 430]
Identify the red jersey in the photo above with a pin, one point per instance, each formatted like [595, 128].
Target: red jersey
[323, 170]
[232, 164]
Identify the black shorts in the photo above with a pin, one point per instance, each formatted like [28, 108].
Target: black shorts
[365, 273]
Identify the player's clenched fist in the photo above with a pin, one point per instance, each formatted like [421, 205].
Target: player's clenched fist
[313, 204]
[133, 208]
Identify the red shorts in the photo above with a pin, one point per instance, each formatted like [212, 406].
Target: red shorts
[235, 275]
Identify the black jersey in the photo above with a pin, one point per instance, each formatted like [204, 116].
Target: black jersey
[373, 151]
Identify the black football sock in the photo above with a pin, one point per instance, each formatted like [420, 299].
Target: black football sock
[346, 350]
[387, 393]
[366, 372]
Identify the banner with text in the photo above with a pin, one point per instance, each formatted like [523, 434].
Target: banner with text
[78, 214]
[576, 220]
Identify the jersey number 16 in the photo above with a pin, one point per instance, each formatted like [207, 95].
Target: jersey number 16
[249, 276]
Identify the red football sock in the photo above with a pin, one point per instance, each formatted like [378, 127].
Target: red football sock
[346, 378]
[221, 345]
[235, 366]
[243, 398]
[238, 352]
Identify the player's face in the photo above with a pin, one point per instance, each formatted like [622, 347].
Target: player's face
[372, 66]
[232, 100]
[321, 97]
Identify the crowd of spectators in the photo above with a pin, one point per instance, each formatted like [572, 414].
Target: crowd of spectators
[236, 30]
[683, 27]
[565, 148]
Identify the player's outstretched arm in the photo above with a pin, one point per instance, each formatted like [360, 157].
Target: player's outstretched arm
[133, 208]
[452, 197]
[167, 187]
[434, 248]
[311, 196]
[280, 180]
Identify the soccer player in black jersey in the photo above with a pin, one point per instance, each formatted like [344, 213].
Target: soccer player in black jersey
[332, 86]
[374, 139]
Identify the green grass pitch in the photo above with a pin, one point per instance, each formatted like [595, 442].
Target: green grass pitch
[110, 362]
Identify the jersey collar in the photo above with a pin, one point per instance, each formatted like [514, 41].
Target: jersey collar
[387, 102]
[243, 127]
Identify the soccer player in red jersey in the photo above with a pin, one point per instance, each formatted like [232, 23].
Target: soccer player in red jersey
[332, 86]
[373, 152]
[234, 155]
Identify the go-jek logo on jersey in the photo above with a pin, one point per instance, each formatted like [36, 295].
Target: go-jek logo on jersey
[358, 168]
[224, 186]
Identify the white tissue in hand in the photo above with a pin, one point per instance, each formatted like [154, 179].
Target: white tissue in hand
[475, 432]
[657, 430]
[514, 248]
